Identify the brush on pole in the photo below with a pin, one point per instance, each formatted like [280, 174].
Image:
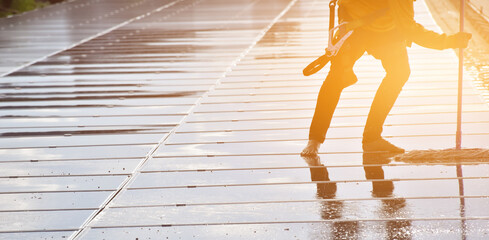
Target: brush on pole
[456, 154]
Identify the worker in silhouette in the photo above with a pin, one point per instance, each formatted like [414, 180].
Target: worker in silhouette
[383, 29]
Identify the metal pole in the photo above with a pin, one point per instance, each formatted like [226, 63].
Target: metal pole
[459, 122]
[460, 79]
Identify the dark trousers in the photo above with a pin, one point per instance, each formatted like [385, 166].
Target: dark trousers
[390, 49]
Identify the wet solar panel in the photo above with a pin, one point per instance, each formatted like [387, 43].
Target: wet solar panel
[185, 119]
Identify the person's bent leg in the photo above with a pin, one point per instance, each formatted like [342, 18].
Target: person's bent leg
[341, 75]
[396, 64]
[328, 98]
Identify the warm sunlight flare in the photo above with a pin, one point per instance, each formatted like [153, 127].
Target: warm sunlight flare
[244, 119]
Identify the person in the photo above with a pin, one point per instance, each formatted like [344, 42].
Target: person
[386, 38]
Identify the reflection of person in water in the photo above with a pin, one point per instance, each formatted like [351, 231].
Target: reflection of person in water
[381, 188]
[386, 37]
[384, 189]
[331, 210]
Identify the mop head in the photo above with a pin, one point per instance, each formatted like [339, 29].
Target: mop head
[445, 155]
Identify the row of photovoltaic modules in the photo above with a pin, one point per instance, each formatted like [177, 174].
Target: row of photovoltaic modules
[145, 131]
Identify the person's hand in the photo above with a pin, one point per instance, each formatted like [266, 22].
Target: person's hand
[459, 40]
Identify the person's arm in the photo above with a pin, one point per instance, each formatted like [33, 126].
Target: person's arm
[403, 13]
[429, 39]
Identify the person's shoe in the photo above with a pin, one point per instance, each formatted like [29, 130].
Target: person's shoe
[311, 149]
[381, 145]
